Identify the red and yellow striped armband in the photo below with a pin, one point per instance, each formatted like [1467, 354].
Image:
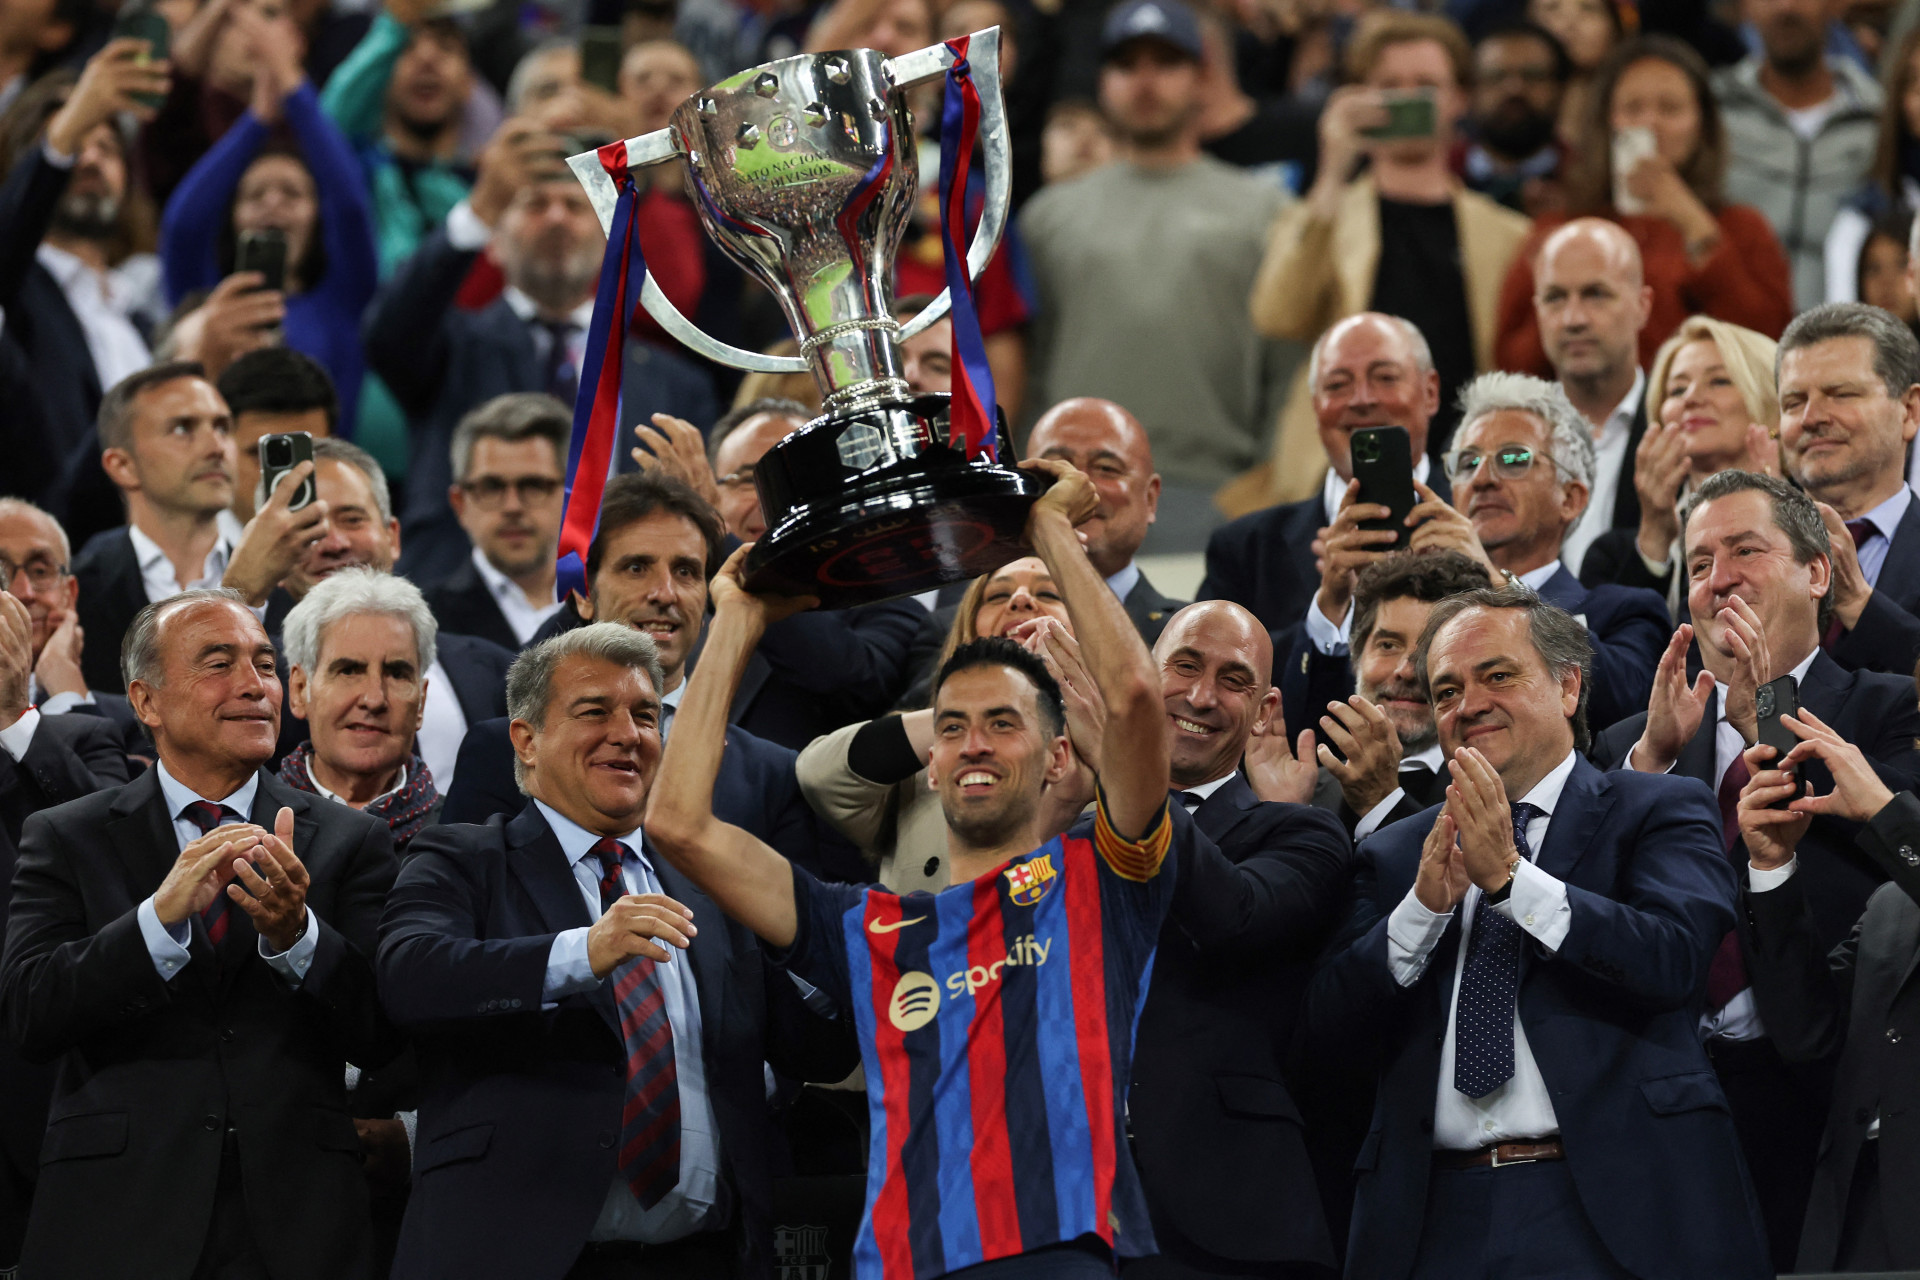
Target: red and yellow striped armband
[1138, 860]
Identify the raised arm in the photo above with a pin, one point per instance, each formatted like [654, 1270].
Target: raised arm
[1133, 750]
[748, 878]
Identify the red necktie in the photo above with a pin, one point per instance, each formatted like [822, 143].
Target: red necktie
[650, 1117]
[1861, 530]
[207, 816]
[1727, 974]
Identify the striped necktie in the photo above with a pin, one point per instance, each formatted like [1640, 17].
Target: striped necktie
[207, 816]
[650, 1116]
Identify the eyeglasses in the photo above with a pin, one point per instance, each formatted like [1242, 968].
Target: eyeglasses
[42, 575]
[1510, 462]
[491, 491]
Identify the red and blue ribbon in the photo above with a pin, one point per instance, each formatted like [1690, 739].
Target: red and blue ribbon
[973, 416]
[596, 409]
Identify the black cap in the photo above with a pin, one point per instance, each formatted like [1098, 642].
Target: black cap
[1166, 20]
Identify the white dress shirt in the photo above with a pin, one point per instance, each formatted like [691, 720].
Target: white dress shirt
[522, 615]
[168, 947]
[18, 736]
[57, 704]
[157, 574]
[1521, 1108]
[695, 1203]
[443, 726]
[1204, 791]
[320, 788]
[1432, 758]
[102, 303]
[1610, 464]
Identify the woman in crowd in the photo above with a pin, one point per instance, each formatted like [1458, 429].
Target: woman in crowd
[1892, 189]
[1711, 406]
[310, 191]
[870, 780]
[1702, 256]
[1588, 30]
[1880, 272]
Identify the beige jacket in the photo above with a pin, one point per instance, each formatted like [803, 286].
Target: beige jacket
[900, 827]
[1316, 273]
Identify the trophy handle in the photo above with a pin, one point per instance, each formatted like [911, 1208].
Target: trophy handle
[655, 148]
[910, 69]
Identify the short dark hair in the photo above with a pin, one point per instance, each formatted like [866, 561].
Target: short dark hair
[1426, 576]
[998, 651]
[1896, 352]
[779, 406]
[1523, 29]
[279, 380]
[517, 415]
[115, 423]
[633, 497]
[1558, 637]
[1793, 514]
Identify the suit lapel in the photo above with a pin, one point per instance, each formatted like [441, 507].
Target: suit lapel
[1900, 573]
[710, 960]
[1584, 802]
[758, 672]
[1824, 690]
[1563, 590]
[140, 832]
[1626, 500]
[1902, 939]
[1225, 809]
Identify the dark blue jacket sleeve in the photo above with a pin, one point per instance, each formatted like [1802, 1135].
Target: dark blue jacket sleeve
[200, 208]
[346, 212]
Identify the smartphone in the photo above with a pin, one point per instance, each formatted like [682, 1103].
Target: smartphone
[1630, 147]
[600, 57]
[280, 453]
[1383, 464]
[1771, 701]
[264, 251]
[1411, 113]
[138, 22]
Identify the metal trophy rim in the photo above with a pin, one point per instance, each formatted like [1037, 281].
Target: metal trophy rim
[908, 71]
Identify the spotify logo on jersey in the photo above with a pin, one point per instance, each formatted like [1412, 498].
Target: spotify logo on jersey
[916, 999]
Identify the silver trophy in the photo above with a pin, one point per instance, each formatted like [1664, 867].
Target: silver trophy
[804, 170]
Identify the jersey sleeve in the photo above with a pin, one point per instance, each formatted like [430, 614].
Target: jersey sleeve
[819, 949]
[1137, 860]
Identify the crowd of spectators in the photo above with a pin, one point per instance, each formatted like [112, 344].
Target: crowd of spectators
[1524, 884]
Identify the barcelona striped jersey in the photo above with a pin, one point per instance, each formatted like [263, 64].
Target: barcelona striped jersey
[996, 1024]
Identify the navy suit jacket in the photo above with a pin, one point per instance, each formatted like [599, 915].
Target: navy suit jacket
[462, 602]
[825, 668]
[1229, 979]
[440, 362]
[518, 1124]
[111, 593]
[1887, 637]
[1264, 560]
[1612, 1020]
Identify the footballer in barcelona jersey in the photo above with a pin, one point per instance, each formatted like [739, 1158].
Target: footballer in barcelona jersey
[995, 1017]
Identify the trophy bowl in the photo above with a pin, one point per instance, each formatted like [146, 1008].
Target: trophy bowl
[804, 172]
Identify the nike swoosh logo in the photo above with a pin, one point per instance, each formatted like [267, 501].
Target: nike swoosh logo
[877, 927]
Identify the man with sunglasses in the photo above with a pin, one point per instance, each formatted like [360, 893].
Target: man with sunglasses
[1522, 469]
[508, 459]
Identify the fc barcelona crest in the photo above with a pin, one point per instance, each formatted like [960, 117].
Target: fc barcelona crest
[1029, 882]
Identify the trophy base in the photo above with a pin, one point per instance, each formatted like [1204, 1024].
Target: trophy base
[912, 535]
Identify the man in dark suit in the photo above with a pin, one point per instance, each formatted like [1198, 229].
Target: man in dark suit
[45, 760]
[1524, 967]
[1849, 452]
[1757, 597]
[1856, 1003]
[191, 949]
[440, 362]
[1220, 1011]
[509, 469]
[1369, 370]
[1591, 301]
[648, 567]
[532, 955]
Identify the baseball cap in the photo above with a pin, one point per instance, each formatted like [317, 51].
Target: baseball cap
[1167, 20]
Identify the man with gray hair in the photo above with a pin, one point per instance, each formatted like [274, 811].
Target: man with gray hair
[1849, 407]
[360, 646]
[509, 473]
[1522, 470]
[1368, 370]
[529, 955]
[193, 948]
[1760, 579]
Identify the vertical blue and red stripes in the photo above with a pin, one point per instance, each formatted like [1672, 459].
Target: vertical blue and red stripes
[973, 416]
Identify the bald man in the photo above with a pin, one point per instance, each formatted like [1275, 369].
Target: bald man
[1368, 370]
[1109, 445]
[1231, 970]
[1591, 301]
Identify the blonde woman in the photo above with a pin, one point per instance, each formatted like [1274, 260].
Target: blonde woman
[1711, 406]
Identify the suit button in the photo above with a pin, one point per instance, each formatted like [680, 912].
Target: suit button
[513, 1004]
[212, 1124]
[226, 1037]
[1893, 1035]
[1862, 1114]
[606, 1139]
[1908, 856]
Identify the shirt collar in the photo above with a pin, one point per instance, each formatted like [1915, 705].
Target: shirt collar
[1887, 516]
[1799, 675]
[577, 842]
[1534, 579]
[1123, 582]
[1546, 792]
[581, 317]
[147, 553]
[1335, 488]
[321, 788]
[671, 699]
[179, 795]
[499, 584]
[1432, 757]
[1624, 411]
[1206, 789]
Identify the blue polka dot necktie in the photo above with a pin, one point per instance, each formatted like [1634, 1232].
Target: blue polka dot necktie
[1489, 988]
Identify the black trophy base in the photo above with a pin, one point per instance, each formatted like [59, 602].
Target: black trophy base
[922, 517]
